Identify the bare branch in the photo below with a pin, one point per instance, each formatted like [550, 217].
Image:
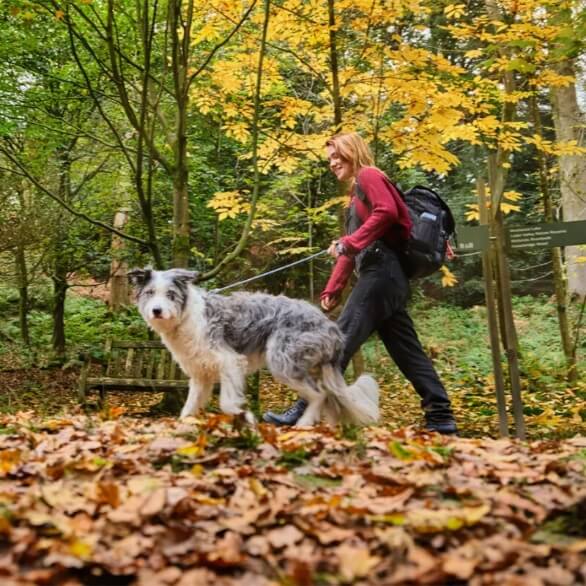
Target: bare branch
[63, 203]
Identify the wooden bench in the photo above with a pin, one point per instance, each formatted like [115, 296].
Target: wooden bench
[132, 366]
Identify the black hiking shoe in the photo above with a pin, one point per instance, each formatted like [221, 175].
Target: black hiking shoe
[441, 421]
[288, 417]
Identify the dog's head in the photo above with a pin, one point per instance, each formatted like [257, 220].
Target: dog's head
[161, 295]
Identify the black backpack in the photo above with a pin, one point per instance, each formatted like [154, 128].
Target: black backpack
[433, 226]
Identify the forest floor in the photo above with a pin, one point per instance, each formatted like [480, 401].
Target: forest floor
[110, 499]
[551, 412]
[122, 497]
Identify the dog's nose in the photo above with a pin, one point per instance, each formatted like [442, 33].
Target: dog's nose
[157, 312]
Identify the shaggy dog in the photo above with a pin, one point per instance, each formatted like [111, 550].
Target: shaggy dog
[219, 339]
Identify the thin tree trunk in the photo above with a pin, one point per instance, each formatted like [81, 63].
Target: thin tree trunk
[60, 262]
[334, 67]
[497, 179]
[60, 287]
[21, 269]
[510, 340]
[510, 332]
[146, 130]
[23, 301]
[492, 312]
[310, 200]
[559, 279]
[180, 30]
[256, 181]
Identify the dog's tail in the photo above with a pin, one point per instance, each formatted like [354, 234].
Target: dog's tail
[358, 402]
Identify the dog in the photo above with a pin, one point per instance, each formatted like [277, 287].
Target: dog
[221, 338]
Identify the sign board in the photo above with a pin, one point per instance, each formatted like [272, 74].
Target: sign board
[472, 238]
[546, 235]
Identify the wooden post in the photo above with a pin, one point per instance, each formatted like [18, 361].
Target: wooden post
[496, 178]
[491, 309]
[119, 296]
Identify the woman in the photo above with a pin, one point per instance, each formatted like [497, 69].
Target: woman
[377, 228]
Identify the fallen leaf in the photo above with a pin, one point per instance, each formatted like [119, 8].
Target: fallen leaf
[355, 561]
[284, 536]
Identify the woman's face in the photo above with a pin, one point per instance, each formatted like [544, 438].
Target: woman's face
[340, 167]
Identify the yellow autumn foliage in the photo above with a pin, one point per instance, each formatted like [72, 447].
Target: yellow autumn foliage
[228, 204]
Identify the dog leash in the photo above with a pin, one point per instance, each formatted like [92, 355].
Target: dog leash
[249, 280]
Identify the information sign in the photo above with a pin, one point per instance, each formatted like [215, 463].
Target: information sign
[546, 235]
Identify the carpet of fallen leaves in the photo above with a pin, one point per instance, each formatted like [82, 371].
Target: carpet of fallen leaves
[89, 500]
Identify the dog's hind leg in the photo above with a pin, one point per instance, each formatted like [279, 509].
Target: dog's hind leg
[309, 390]
[312, 413]
[198, 396]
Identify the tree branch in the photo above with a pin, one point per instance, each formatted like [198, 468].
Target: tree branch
[255, 132]
[63, 203]
[220, 45]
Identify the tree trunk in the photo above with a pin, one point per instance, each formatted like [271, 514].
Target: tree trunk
[181, 245]
[497, 179]
[23, 302]
[490, 295]
[21, 270]
[170, 400]
[180, 35]
[510, 340]
[60, 260]
[569, 126]
[559, 279]
[311, 272]
[60, 287]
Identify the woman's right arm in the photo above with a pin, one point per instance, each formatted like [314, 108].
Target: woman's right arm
[339, 277]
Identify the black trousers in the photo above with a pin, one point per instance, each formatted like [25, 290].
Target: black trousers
[377, 303]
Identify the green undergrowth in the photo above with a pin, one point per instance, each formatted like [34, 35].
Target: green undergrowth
[455, 338]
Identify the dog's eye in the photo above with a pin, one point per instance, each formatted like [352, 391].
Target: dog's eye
[148, 293]
[171, 295]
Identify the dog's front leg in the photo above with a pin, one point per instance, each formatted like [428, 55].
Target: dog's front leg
[198, 396]
[232, 384]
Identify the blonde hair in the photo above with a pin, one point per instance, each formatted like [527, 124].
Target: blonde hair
[353, 148]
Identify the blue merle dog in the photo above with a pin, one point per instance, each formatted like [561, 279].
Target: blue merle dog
[220, 339]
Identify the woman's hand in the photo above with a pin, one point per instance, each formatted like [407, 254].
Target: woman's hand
[328, 303]
[336, 249]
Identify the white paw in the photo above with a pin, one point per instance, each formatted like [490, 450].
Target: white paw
[250, 418]
[185, 413]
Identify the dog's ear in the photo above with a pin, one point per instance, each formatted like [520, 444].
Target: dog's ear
[184, 276]
[139, 277]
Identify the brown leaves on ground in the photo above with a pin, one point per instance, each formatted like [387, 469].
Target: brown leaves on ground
[86, 501]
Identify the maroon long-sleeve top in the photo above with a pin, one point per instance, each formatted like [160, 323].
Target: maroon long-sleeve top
[384, 216]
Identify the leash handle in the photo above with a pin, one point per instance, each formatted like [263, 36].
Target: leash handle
[288, 266]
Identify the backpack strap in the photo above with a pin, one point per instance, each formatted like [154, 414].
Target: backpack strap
[362, 195]
[355, 222]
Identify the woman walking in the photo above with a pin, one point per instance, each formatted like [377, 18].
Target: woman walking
[377, 228]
